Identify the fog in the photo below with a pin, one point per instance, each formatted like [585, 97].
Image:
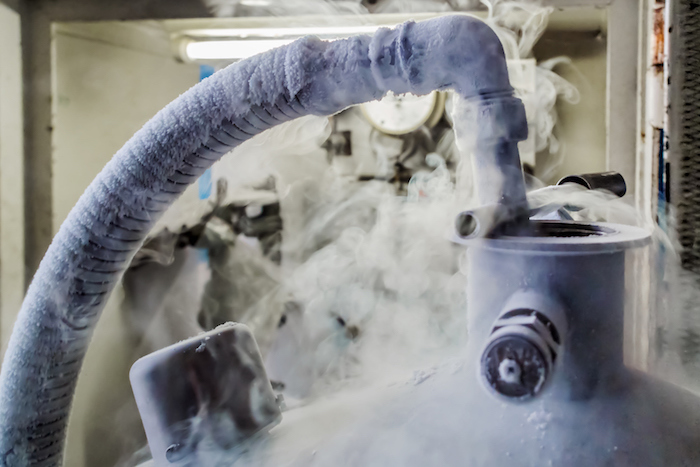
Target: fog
[369, 298]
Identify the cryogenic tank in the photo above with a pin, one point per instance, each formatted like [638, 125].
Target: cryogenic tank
[542, 381]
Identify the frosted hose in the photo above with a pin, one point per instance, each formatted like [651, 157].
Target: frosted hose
[110, 221]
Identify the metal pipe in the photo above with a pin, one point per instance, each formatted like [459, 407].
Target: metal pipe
[611, 181]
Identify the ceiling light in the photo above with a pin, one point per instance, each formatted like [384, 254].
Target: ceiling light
[321, 31]
[230, 49]
[237, 44]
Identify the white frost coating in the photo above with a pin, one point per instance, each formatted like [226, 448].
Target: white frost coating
[509, 371]
[539, 419]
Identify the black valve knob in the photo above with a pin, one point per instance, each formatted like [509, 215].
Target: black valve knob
[525, 343]
[516, 366]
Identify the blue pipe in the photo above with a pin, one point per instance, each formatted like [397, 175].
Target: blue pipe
[110, 221]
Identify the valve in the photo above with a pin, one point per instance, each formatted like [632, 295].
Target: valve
[524, 346]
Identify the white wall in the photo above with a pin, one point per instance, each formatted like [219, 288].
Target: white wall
[11, 174]
[108, 79]
[581, 127]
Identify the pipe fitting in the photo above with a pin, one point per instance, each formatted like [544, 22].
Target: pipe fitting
[525, 344]
[491, 221]
[614, 182]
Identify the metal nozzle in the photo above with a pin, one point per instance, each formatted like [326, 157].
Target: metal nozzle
[611, 181]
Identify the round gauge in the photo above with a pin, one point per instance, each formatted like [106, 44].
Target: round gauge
[398, 114]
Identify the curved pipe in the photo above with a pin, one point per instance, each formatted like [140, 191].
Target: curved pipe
[110, 221]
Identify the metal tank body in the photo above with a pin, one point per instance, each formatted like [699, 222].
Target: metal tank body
[595, 410]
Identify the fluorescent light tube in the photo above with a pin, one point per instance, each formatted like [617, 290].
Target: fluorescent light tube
[231, 49]
[245, 42]
[295, 32]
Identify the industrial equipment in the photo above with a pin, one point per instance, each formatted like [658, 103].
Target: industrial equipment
[542, 378]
